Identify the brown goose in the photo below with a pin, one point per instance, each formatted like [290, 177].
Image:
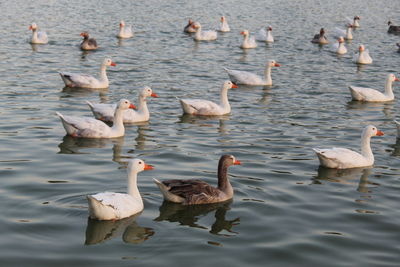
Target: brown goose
[88, 43]
[393, 29]
[320, 38]
[190, 192]
[188, 28]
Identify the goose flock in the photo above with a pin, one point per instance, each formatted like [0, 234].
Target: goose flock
[115, 206]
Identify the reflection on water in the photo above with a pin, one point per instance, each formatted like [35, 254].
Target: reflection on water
[385, 107]
[80, 92]
[190, 216]
[396, 148]
[202, 121]
[34, 47]
[101, 231]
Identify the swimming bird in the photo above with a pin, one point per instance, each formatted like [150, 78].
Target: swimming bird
[224, 27]
[88, 43]
[190, 192]
[37, 37]
[343, 158]
[265, 35]
[339, 47]
[362, 57]
[188, 28]
[116, 206]
[201, 35]
[248, 42]
[124, 30]
[248, 78]
[393, 28]
[105, 112]
[355, 22]
[320, 38]
[206, 107]
[372, 95]
[347, 34]
[92, 128]
[87, 81]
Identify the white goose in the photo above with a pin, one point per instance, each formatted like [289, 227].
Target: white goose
[205, 107]
[343, 158]
[265, 35]
[37, 37]
[339, 47]
[248, 78]
[348, 35]
[116, 206]
[372, 95]
[355, 22]
[201, 35]
[362, 57]
[92, 128]
[105, 112]
[124, 30]
[87, 81]
[248, 42]
[224, 27]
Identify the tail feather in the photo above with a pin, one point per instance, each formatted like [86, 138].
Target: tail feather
[167, 195]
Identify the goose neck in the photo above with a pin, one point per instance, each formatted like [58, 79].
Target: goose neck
[388, 87]
[132, 185]
[142, 107]
[366, 146]
[118, 123]
[223, 182]
[267, 74]
[224, 98]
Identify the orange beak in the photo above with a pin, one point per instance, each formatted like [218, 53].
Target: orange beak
[234, 85]
[30, 27]
[237, 162]
[396, 79]
[154, 95]
[113, 64]
[379, 133]
[148, 167]
[120, 25]
[242, 33]
[277, 65]
[132, 106]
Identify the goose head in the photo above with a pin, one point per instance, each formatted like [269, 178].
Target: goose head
[109, 62]
[85, 35]
[121, 24]
[273, 63]
[138, 165]
[321, 32]
[392, 78]
[229, 84]
[361, 48]
[222, 19]
[245, 33]
[269, 28]
[33, 27]
[341, 39]
[389, 23]
[371, 130]
[229, 160]
[147, 91]
[125, 104]
[196, 25]
[357, 18]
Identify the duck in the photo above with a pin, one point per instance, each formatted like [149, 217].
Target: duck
[87, 81]
[116, 206]
[224, 27]
[363, 56]
[372, 95]
[201, 35]
[193, 191]
[38, 37]
[339, 47]
[248, 42]
[209, 108]
[265, 35]
[248, 78]
[355, 21]
[91, 128]
[320, 38]
[347, 34]
[188, 28]
[343, 158]
[124, 30]
[105, 112]
[392, 28]
[88, 43]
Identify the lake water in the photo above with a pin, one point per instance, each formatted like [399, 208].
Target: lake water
[286, 210]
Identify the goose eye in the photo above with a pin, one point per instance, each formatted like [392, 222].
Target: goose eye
[140, 162]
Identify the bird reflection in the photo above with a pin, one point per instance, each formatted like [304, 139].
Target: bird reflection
[101, 231]
[190, 216]
[202, 120]
[345, 176]
[81, 92]
[385, 107]
[396, 148]
[34, 47]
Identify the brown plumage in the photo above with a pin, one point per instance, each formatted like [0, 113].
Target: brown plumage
[195, 191]
[88, 43]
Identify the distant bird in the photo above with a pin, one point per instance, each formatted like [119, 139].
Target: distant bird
[188, 28]
[88, 43]
[320, 38]
[248, 78]
[248, 42]
[224, 27]
[343, 158]
[347, 34]
[362, 57]
[339, 47]
[124, 30]
[355, 22]
[87, 81]
[392, 28]
[372, 95]
[208, 108]
[191, 192]
[87, 127]
[37, 37]
[201, 35]
[116, 206]
[265, 35]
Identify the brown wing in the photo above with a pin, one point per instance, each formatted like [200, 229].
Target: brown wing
[193, 191]
[92, 42]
